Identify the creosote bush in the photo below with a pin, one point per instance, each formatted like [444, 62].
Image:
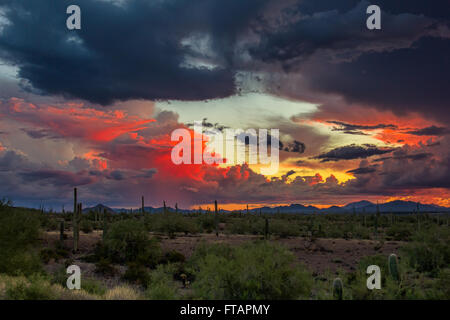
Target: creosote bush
[251, 271]
[429, 251]
[19, 238]
[128, 241]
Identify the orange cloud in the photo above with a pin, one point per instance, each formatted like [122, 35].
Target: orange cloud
[73, 121]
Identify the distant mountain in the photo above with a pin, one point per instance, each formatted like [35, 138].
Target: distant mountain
[396, 206]
[99, 208]
[364, 206]
[358, 205]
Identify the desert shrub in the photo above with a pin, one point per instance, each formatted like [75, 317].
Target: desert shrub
[128, 241]
[35, 288]
[105, 267]
[48, 223]
[360, 232]
[162, 286]
[171, 223]
[251, 271]
[399, 232]
[173, 256]
[429, 251]
[442, 286]
[137, 274]
[86, 226]
[93, 286]
[206, 222]
[284, 229]
[19, 233]
[46, 255]
[249, 225]
[57, 253]
[38, 287]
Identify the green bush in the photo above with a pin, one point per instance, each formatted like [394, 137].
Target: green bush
[86, 226]
[399, 232]
[162, 286]
[429, 251]
[284, 229]
[19, 238]
[35, 288]
[173, 256]
[104, 266]
[251, 271]
[171, 223]
[128, 241]
[137, 274]
[93, 286]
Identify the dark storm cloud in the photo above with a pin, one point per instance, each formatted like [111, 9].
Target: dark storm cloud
[363, 170]
[296, 146]
[430, 131]
[403, 67]
[11, 160]
[435, 9]
[206, 124]
[144, 49]
[415, 156]
[56, 177]
[353, 152]
[404, 80]
[343, 34]
[40, 133]
[356, 129]
[123, 52]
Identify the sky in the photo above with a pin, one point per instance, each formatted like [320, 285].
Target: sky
[361, 114]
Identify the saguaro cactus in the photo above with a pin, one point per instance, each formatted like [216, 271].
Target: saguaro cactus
[247, 210]
[165, 208]
[75, 203]
[143, 210]
[393, 267]
[338, 289]
[176, 207]
[216, 218]
[76, 226]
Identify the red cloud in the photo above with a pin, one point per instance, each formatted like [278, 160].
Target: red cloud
[75, 122]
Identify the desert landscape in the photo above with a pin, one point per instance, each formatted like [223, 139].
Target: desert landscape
[217, 255]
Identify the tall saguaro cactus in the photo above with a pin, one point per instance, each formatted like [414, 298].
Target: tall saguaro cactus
[143, 210]
[76, 226]
[75, 203]
[165, 208]
[216, 218]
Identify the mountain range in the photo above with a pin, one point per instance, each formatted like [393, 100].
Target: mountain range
[364, 206]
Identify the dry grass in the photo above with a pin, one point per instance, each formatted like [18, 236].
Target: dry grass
[122, 293]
